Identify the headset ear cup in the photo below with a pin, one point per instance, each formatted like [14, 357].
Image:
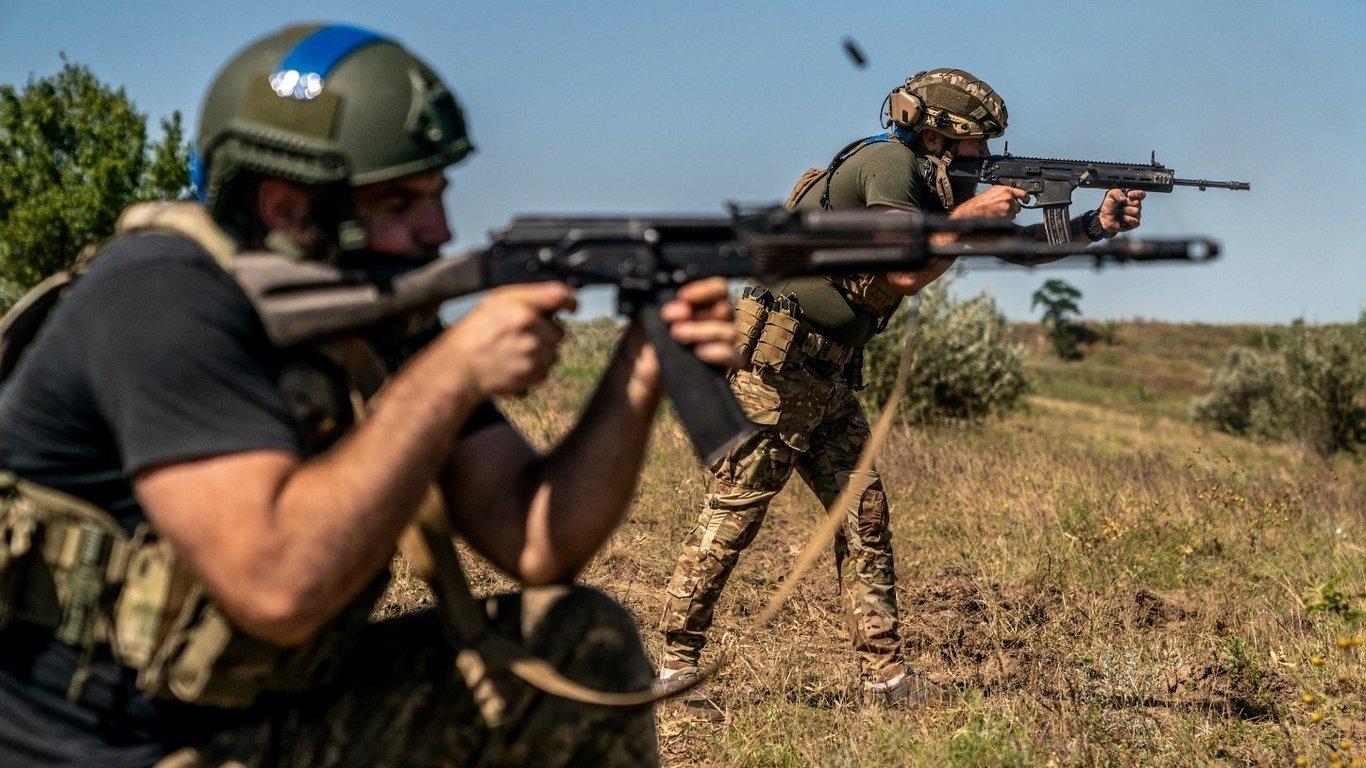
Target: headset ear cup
[903, 108]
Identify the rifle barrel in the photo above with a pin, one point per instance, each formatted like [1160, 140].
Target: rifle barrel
[1207, 184]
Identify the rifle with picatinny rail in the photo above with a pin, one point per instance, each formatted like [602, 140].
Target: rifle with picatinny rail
[647, 258]
[1050, 182]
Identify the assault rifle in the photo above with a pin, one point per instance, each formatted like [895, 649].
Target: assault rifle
[648, 258]
[1051, 182]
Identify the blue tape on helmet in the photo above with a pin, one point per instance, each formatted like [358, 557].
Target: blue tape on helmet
[199, 184]
[304, 69]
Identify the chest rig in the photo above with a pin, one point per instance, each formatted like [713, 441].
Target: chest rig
[68, 566]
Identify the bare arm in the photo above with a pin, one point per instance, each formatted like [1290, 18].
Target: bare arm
[996, 202]
[541, 518]
[283, 544]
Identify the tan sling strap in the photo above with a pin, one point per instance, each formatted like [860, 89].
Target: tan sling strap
[428, 545]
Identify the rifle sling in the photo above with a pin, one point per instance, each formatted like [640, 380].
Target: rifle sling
[428, 545]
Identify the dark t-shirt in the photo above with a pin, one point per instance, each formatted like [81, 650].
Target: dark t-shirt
[155, 356]
[886, 173]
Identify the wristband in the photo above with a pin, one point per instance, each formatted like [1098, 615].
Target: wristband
[1093, 229]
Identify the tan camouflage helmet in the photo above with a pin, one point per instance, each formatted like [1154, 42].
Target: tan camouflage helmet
[951, 102]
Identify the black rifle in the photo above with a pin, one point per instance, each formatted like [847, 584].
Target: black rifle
[648, 258]
[1051, 181]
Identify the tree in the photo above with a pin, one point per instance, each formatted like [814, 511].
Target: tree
[73, 154]
[1059, 300]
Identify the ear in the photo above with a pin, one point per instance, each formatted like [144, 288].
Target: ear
[282, 206]
[935, 142]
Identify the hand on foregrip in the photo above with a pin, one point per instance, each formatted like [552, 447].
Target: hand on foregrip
[508, 342]
[1121, 210]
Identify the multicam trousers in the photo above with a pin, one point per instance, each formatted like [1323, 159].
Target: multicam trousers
[401, 702]
[815, 425]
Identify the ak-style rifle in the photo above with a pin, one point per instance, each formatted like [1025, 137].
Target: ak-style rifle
[648, 258]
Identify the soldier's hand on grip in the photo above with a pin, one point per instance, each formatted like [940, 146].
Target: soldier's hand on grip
[1121, 210]
[507, 343]
[997, 202]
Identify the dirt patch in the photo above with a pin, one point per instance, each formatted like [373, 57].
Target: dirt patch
[1151, 611]
[1239, 691]
[961, 629]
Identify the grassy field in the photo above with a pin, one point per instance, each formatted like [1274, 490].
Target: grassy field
[1092, 580]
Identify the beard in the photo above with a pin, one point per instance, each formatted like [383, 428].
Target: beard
[962, 189]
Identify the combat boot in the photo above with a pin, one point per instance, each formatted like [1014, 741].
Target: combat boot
[675, 678]
[902, 687]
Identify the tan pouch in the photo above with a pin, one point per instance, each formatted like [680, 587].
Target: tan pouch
[750, 315]
[18, 527]
[195, 655]
[776, 346]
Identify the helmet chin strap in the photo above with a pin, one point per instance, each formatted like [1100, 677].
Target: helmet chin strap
[940, 175]
[336, 215]
[351, 235]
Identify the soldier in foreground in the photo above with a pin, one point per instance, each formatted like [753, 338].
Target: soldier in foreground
[196, 525]
[802, 350]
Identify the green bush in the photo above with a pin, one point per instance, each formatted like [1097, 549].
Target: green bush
[1247, 395]
[74, 153]
[10, 292]
[1308, 383]
[1327, 371]
[963, 364]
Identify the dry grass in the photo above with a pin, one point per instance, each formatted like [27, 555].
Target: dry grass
[1093, 581]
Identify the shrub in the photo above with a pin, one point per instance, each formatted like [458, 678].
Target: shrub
[10, 292]
[1326, 367]
[1247, 395]
[1309, 384]
[963, 365]
[1059, 300]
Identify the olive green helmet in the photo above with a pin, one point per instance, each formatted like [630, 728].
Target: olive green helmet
[948, 101]
[321, 106]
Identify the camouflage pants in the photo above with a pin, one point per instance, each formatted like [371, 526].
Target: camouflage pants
[400, 701]
[817, 427]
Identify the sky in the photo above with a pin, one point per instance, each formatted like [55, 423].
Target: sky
[631, 106]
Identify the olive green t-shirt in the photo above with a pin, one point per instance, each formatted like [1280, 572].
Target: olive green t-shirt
[887, 173]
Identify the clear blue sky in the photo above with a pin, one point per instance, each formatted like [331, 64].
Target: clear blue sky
[624, 106]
